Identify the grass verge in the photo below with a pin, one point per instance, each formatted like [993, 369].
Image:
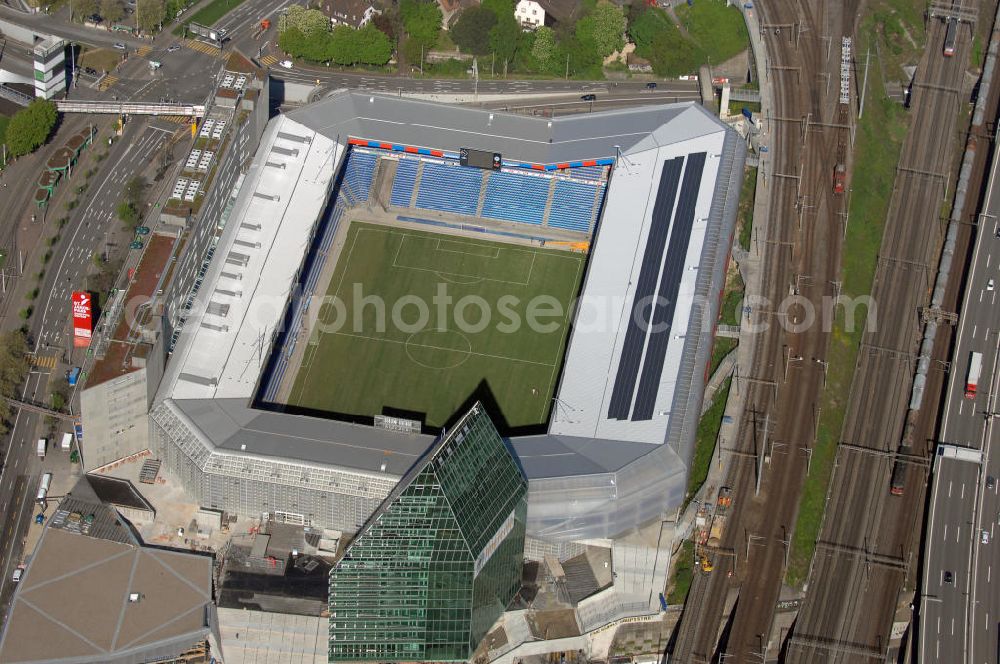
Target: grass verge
[879, 138]
[101, 59]
[4, 120]
[744, 214]
[722, 347]
[732, 300]
[718, 29]
[680, 580]
[209, 14]
[706, 439]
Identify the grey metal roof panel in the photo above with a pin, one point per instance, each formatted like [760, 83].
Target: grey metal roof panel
[552, 455]
[541, 140]
[230, 424]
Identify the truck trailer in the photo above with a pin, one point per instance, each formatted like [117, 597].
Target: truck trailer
[972, 379]
[43, 488]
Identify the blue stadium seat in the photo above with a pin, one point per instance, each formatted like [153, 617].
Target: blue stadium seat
[586, 172]
[449, 188]
[515, 197]
[358, 175]
[572, 206]
[402, 186]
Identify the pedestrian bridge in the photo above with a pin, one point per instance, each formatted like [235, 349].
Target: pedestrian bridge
[130, 108]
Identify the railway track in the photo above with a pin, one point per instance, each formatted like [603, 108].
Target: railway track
[864, 553]
[802, 257]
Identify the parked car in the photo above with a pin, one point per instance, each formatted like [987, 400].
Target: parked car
[589, 97]
[985, 537]
[990, 285]
[120, 46]
[173, 47]
[287, 64]
[990, 482]
[18, 573]
[651, 86]
[135, 245]
[142, 230]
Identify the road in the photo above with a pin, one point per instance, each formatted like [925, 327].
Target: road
[801, 255]
[958, 518]
[48, 329]
[863, 554]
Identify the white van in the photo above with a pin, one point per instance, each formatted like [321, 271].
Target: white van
[66, 442]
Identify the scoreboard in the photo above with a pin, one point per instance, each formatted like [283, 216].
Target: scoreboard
[480, 159]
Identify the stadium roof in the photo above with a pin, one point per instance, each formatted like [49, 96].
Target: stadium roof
[665, 230]
[232, 425]
[223, 347]
[541, 140]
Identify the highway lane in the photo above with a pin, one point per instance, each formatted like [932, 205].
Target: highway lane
[943, 629]
[968, 423]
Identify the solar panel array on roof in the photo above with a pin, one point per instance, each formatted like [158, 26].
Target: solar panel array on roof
[635, 335]
[666, 295]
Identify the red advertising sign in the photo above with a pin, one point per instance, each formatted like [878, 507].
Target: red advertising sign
[82, 318]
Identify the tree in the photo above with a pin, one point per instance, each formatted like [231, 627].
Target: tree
[387, 25]
[30, 127]
[504, 39]
[13, 369]
[135, 191]
[150, 15]
[606, 26]
[646, 25]
[83, 9]
[127, 213]
[544, 48]
[422, 21]
[311, 22]
[372, 46]
[471, 31]
[112, 11]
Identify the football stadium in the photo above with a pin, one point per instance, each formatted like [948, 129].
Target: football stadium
[390, 263]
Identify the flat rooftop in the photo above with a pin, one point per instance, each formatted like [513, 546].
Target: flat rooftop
[73, 603]
[142, 287]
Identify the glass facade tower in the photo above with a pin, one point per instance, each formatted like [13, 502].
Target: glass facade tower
[440, 560]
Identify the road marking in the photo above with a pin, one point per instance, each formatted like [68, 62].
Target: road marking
[974, 327]
[946, 531]
[963, 491]
[958, 532]
[949, 493]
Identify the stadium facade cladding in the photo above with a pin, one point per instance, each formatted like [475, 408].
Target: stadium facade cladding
[616, 451]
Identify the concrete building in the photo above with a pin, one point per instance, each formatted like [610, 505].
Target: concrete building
[92, 592]
[50, 67]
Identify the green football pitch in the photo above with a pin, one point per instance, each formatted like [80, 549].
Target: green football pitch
[417, 321]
